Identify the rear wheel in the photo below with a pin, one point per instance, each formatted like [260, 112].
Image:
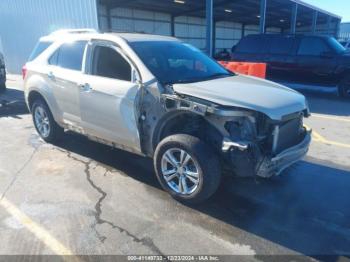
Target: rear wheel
[44, 122]
[344, 88]
[187, 168]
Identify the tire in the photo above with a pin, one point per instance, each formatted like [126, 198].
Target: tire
[49, 130]
[201, 170]
[2, 87]
[344, 88]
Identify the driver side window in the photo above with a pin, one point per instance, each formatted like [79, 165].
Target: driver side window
[312, 46]
[107, 62]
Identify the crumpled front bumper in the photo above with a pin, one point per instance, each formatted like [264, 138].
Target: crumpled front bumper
[275, 165]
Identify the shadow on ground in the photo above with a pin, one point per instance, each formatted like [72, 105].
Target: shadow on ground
[305, 210]
[12, 104]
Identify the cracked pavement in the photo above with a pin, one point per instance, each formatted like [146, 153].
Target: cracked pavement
[99, 201]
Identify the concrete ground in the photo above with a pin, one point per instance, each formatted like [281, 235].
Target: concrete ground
[80, 197]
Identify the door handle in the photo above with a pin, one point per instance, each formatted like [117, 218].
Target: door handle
[51, 76]
[85, 87]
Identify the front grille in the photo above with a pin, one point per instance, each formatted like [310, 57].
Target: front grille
[290, 134]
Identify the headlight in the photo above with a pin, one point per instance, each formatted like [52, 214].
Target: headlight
[244, 129]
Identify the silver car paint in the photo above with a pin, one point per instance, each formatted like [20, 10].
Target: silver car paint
[239, 91]
[68, 113]
[252, 93]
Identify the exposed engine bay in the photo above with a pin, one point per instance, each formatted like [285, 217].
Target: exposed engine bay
[249, 142]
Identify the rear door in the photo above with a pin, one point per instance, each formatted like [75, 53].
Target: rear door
[108, 95]
[315, 61]
[281, 59]
[65, 74]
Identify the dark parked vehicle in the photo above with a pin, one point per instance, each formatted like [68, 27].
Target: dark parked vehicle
[312, 60]
[2, 73]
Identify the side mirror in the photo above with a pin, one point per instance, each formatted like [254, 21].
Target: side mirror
[136, 78]
[139, 83]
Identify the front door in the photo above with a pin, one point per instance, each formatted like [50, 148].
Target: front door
[108, 95]
[315, 62]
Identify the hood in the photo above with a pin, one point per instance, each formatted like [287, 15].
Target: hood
[272, 99]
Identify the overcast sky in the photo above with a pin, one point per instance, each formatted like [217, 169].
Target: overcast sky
[338, 7]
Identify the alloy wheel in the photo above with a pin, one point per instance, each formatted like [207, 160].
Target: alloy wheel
[180, 171]
[42, 121]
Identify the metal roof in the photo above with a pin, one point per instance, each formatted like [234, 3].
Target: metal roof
[242, 11]
[316, 8]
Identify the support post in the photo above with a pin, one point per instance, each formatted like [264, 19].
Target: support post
[329, 25]
[172, 25]
[314, 22]
[109, 19]
[214, 37]
[338, 29]
[243, 30]
[293, 23]
[263, 16]
[209, 23]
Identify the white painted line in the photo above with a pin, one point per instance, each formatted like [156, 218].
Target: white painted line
[316, 137]
[337, 118]
[41, 233]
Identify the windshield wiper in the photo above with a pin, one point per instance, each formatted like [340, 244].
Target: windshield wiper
[201, 79]
[186, 81]
[219, 75]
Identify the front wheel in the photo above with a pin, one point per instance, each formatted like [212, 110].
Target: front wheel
[344, 88]
[187, 168]
[44, 122]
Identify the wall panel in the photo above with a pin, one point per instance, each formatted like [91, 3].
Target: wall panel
[23, 22]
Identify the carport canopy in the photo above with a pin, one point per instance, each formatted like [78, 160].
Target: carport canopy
[284, 14]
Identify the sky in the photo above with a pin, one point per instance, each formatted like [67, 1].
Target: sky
[338, 7]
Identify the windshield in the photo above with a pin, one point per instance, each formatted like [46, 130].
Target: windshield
[177, 62]
[336, 45]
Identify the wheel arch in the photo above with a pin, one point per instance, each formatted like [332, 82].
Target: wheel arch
[34, 94]
[341, 74]
[186, 122]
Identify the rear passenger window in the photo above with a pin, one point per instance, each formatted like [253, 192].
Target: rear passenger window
[39, 49]
[69, 56]
[253, 45]
[281, 45]
[312, 46]
[107, 62]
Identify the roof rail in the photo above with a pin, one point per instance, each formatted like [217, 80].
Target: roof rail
[74, 31]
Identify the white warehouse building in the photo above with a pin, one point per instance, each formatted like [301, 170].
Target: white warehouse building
[211, 25]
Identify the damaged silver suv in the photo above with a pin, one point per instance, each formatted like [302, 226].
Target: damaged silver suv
[159, 97]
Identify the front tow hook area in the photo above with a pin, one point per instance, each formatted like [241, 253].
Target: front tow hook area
[228, 144]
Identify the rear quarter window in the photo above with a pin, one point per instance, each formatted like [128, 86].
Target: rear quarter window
[251, 45]
[39, 49]
[69, 56]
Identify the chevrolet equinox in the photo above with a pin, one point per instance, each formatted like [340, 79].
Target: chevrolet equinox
[159, 97]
